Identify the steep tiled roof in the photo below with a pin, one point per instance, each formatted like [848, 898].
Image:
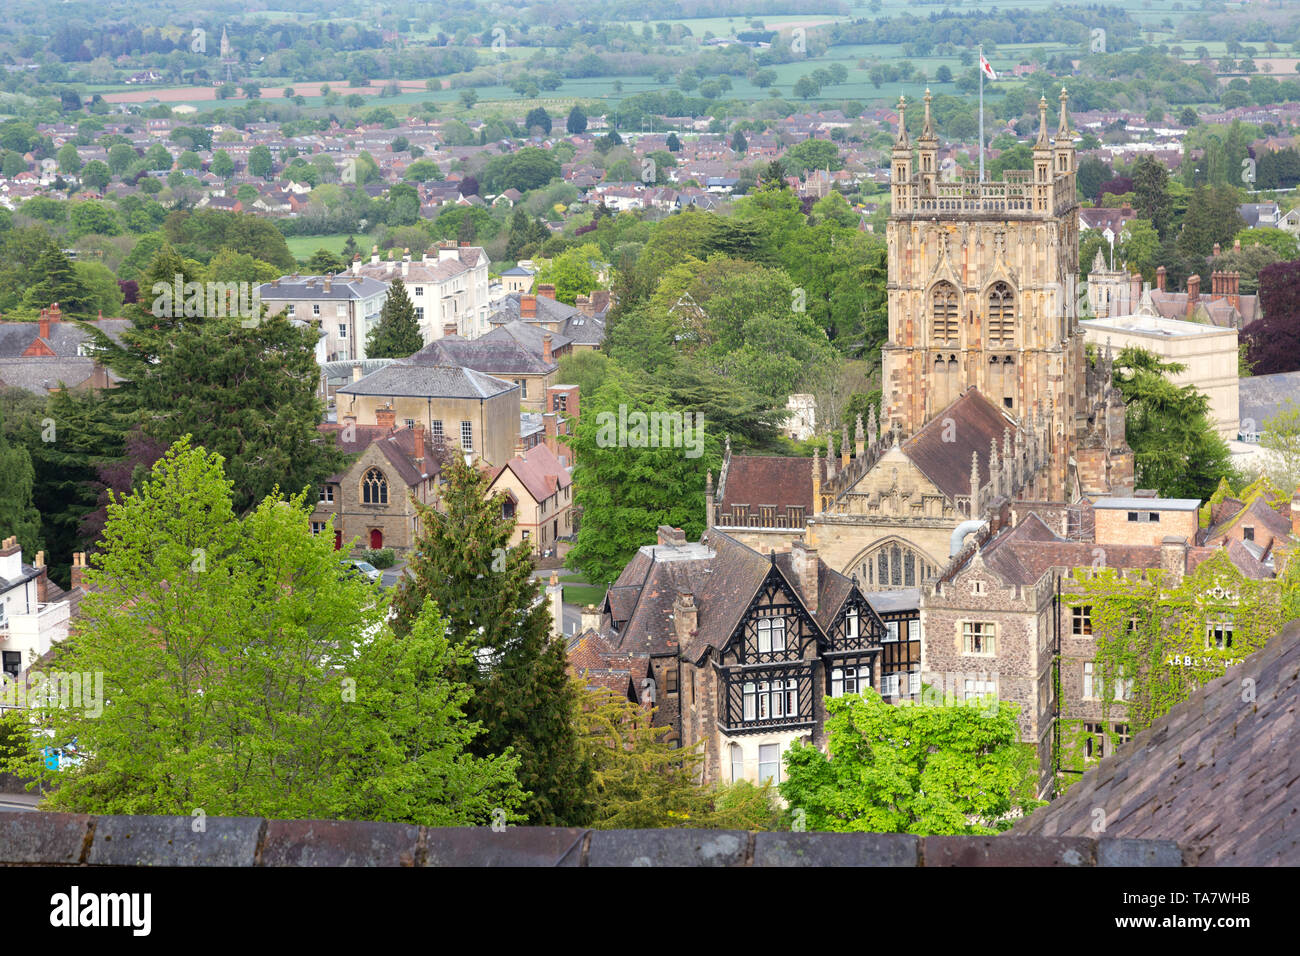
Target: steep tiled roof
[1217, 772]
[757, 480]
[539, 471]
[975, 422]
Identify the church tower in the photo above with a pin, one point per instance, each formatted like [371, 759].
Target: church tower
[983, 289]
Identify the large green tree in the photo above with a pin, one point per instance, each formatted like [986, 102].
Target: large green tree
[625, 487]
[940, 768]
[464, 563]
[244, 674]
[248, 394]
[397, 333]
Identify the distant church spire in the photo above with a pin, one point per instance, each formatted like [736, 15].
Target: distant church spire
[1042, 141]
[1063, 132]
[902, 140]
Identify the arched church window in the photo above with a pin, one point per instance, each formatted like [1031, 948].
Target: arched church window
[374, 488]
[1002, 315]
[895, 565]
[943, 312]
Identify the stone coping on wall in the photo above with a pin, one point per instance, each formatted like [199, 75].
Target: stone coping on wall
[66, 839]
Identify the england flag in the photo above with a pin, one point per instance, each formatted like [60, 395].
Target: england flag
[987, 68]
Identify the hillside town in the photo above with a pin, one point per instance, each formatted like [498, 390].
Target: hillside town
[716, 455]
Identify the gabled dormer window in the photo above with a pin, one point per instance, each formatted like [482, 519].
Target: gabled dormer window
[771, 634]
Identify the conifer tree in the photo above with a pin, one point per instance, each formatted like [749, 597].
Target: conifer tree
[59, 283]
[18, 516]
[397, 333]
[483, 588]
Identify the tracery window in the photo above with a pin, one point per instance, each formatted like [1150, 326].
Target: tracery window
[374, 488]
[943, 312]
[1002, 315]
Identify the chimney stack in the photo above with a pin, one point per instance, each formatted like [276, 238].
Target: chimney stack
[78, 569]
[45, 324]
[668, 535]
[1173, 557]
[546, 348]
[418, 434]
[448, 328]
[1193, 292]
[1134, 291]
[1160, 278]
[527, 306]
[1216, 250]
[386, 416]
[327, 284]
[686, 617]
[1236, 245]
[374, 255]
[356, 371]
[1232, 287]
[591, 618]
[546, 291]
[803, 561]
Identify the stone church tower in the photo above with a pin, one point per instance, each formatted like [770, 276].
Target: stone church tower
[983, 290]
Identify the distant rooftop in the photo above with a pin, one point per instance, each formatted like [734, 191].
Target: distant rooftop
[692, 551]
[1148, 504]
[1153, 325]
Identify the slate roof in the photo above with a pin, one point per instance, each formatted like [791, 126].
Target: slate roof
[568, 321]
[404, 379]
[1261, 397]
[496, 353]
[975, 423]
[64, 339]
[397, 445]
[342, 287]
[1023, 554]
[1217, 773]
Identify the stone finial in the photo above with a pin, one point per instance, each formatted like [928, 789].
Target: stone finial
[708, 483]
[873, 426]
[1064, 129]
[927, 129]
[1006, 443]
[1042, 123]
[902, 123]
[844, 444]
[726, 448]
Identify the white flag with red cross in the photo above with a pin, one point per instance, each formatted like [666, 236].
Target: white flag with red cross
[987, 68]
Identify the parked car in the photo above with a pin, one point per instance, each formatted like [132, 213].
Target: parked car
[366, 568]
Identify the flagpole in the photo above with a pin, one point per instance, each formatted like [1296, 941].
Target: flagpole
[981, 69]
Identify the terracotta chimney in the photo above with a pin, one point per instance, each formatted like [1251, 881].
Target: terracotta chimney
[1193, 292]
[546, 348]
[1216, 250]
[1232, 288]
[418, 434]
[1216, 284]
[546, 291]
[45, 324]
[1160, 278]
[78, 569]
[385, 416]
[667, 534]
[448, 328]
[42, 582]
[527, 306]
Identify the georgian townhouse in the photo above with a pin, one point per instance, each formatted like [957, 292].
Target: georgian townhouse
[448, 286]
[343, 307]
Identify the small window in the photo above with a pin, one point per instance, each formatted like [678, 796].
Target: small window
[771, 634]
[315, 309]
[914, 630]
[891, 631]
[1093, 743]
[670, 680]
[1248, 533]
[318, 527]
[436, 430]
[1081, 620]
[977, 637]
[409, 422]
[979, 689]
[326, 493]
[343, 330]
[1218, 635]
[1122, 734]
[1091, 686]
[467, 436]
[419, 290]
[769, 763]
[1132, 516]
[737, 763]
[290, 308]
[1154, 516]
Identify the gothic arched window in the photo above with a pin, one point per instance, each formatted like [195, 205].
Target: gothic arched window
[895, 565]
[943, 312]
[374, 488]
[1002, 315]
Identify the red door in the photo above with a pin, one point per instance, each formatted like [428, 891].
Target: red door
[376, 539]
[338, 540]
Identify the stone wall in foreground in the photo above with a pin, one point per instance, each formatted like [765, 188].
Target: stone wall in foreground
[65, 839]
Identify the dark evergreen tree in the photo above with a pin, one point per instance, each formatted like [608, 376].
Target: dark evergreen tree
[248, 394]
[18, 515]
[674, 144]
[57, 281]
[1151, 194]
[577, 121]
[483, 587]
[397, 333]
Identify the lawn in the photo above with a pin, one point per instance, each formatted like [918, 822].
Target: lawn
[578, 591]
[302, 247]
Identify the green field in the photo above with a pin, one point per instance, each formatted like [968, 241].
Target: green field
[302, 247]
